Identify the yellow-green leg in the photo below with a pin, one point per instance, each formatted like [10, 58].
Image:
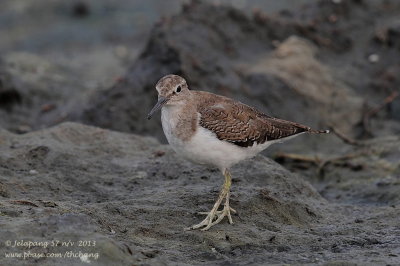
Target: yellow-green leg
[214, 214]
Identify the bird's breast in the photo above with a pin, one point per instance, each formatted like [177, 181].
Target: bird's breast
[169, 122]
[179, 124]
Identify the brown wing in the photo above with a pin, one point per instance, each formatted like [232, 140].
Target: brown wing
[243, 125]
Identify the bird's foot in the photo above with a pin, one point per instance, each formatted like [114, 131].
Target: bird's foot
[213, 217]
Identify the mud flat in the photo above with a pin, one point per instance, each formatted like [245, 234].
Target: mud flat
[133, 196]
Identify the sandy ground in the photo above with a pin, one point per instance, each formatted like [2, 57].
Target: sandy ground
[132, 197]
[124, 198]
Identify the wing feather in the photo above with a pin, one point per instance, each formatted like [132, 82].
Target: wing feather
[243, 125]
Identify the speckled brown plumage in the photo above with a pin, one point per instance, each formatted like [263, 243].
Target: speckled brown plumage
[241, 124]
[238, 132]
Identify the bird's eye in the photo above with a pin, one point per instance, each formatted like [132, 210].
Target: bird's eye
[178, 89]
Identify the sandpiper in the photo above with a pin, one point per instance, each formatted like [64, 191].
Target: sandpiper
[218, 131]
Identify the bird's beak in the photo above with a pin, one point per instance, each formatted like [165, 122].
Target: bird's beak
[158, 106]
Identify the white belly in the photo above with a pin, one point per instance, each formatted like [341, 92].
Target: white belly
[205, 148]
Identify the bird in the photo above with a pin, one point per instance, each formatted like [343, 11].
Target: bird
[217, 131]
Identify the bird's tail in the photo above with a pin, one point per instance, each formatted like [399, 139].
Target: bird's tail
[313, 131]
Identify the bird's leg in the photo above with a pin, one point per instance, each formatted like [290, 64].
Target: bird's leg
[229, 208]
[225, 204]
[214, 213]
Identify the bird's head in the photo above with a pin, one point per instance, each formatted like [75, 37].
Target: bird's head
[172, 90]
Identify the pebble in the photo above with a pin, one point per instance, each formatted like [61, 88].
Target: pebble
[121, 51]
[33, 172]
[373, 58]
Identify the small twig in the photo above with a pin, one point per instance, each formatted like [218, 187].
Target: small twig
[298, 157]
[387, 100]
[345, 138]
[23, 202]
[337, 159]
[320, 163]
[375, 110]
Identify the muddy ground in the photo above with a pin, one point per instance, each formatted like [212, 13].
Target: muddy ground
[316, 200]
[133, 197]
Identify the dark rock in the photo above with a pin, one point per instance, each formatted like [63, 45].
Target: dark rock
[214, 49]
[9, 95]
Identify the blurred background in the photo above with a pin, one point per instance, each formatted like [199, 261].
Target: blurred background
[59, 51]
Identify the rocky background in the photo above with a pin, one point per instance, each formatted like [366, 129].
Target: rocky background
[80, 162]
